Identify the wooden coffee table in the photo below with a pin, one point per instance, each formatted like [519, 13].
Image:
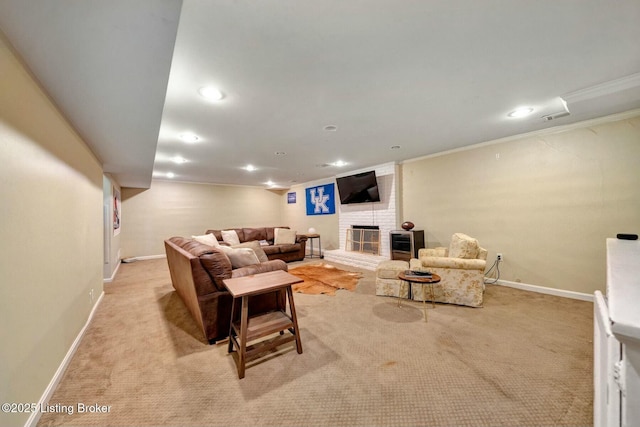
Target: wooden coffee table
[258, 326]
[422, 280]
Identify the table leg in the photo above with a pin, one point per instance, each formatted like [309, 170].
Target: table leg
[409, 291]
[242, 351]
[433, 296]
[233, 305]
[424, 301]
[294, 318]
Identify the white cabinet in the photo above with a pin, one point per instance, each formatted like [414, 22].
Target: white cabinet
[617, 339]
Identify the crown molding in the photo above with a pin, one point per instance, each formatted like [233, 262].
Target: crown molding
[541, 132]
[603, 89]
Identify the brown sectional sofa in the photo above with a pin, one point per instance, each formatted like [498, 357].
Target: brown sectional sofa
[197, 272]
[287, 253]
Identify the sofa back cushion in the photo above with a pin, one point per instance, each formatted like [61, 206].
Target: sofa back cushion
[254, 234]
[248, 234]
[463, 246]
[218, 266]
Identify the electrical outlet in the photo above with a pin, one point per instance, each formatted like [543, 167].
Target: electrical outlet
[499, 257]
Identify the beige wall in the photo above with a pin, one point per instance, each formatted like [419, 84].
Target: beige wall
[295, 216]
[547, 202]
[50, 234]
[170, 209]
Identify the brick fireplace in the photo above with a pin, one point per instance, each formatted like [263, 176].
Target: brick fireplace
[381, 214]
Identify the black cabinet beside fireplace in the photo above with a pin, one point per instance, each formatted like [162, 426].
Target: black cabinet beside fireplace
[405, 244]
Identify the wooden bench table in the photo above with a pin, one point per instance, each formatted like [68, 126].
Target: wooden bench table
[252, 328]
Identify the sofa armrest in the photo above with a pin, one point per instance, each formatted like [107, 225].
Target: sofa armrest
[301, 238]
[263, 267]
[458, 263]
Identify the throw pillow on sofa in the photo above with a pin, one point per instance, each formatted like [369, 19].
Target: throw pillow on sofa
[207, 239]
[284, 236]
[255, 245]
[230, 237]
[240, 257]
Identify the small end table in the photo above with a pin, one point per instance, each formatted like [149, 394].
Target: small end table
[259, 326]
[310, 237]
[422, 280]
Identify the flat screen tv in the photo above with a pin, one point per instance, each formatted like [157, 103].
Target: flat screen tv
[358, 188]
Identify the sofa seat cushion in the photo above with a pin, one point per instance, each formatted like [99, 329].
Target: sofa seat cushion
[453, 263]
[283, 249]
[269, 250]
[264, 267]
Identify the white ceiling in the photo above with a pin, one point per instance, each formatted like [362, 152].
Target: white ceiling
[424, 75]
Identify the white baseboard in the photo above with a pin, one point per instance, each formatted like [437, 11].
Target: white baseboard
[110, 279]
[33, 419]
[545, 290]
[142, 258]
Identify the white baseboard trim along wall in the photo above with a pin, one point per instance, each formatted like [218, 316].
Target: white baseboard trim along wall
[110, 279]
[143, 258]
[545, 290]
[46, 396]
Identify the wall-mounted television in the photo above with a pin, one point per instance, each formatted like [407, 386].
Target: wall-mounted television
[358, 188]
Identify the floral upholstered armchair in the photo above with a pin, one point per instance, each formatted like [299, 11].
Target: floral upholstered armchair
[461, 268]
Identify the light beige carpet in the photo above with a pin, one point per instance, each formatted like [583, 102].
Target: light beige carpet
[323, 278]
[525, 359]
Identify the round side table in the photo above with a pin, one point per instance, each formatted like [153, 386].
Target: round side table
[422, 280]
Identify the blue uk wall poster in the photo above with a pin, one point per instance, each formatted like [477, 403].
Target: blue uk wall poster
[321, 200]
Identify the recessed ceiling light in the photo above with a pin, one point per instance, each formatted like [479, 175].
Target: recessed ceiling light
[178, 159]
[395, 147]
[250, 168]
[211, 93]
[270, 183]
[280, 153]
[339, 164]
[170, 175]
[189, 137]
[520, 112]
[331, 128]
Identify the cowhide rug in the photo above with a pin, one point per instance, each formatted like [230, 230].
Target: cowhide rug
[324, 279]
